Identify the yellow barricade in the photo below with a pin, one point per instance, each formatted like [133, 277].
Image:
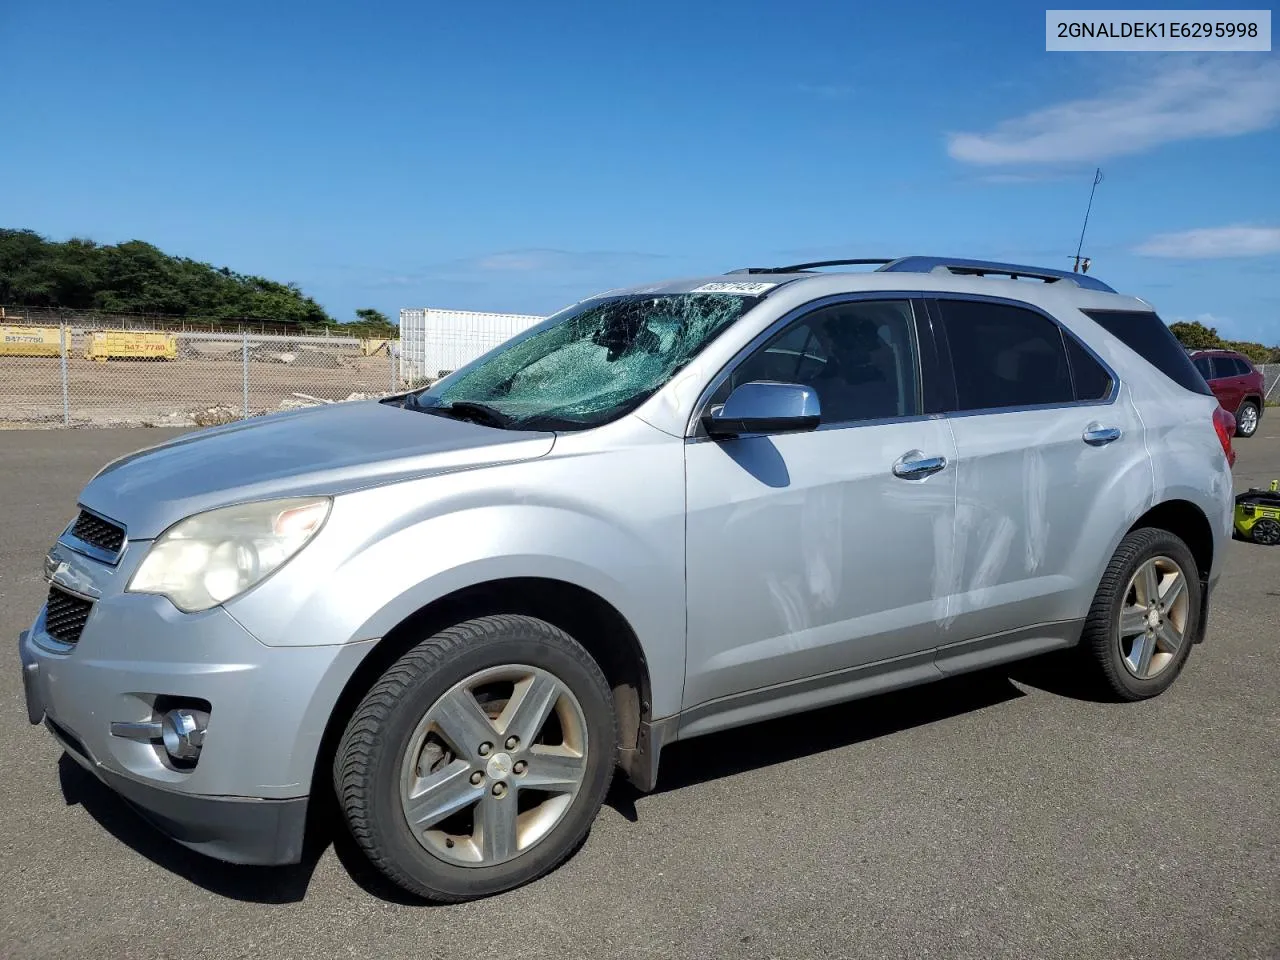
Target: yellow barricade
[124, 345]
[18, 341]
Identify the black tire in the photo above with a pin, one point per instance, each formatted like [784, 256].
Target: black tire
[1265, 531]
[1241, 431]
[367, 765]
[1100, 643]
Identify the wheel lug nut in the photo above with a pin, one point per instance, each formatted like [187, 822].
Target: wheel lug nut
[477, 777]
[520, 766]
[485, 749]
[499, 789]
[512, 743]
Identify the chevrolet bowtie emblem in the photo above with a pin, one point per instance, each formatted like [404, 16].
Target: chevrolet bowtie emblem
[52, 566]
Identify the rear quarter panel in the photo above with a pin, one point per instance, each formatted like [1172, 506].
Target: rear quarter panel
[1187, 461]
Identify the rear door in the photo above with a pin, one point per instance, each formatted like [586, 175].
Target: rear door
[1051, 462]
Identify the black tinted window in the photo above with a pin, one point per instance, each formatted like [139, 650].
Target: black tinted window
[1145, 333]
[1223, 367]
[860, 357]
[1205, 366]
[1091, 379]
[1005, 356]
[1241, 366]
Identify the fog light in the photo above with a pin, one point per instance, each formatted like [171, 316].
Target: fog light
[183, 733]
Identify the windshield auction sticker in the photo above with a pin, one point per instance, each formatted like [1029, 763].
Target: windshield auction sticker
[1131, 31]
[741, 288]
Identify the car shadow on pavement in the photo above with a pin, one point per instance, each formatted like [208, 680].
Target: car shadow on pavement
[800, 735]
[255, 884]
[1060, 673]
[287, 884]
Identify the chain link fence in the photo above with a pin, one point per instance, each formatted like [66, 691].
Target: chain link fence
[89, 370]
[1271, 375]
[72, 374]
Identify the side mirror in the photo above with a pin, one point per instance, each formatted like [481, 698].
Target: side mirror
[765, 407]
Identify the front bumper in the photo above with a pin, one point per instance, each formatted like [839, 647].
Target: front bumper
[235, 829]
[245, 800]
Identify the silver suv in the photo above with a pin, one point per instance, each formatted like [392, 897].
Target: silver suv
[662, 512]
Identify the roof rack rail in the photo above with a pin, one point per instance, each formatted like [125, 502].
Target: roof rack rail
[981, 268]
[977, 268]
[801, 267]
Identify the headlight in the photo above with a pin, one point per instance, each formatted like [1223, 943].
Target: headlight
[209, 558]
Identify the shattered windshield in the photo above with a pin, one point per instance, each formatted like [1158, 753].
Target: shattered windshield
[586, 365]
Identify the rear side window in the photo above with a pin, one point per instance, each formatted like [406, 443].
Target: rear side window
[1145, 333]
[1004, 356]
[1091, 379]
[1224, 367]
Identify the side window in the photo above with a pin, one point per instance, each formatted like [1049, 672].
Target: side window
[1223, 367]
[1092, 382]
[1204, 366]
[860, 357]
[1005, 356]
[1242, 367]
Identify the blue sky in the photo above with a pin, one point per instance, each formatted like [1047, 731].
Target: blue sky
[519, 156]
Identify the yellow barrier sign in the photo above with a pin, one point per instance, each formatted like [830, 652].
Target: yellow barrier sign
[123, 345]
[18, 341]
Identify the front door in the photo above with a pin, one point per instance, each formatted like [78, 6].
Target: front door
[813, 553]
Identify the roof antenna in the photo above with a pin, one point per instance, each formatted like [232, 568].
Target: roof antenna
[1082, 263]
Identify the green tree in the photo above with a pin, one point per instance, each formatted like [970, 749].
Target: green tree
[1194, 335]
[374, 323]
[136, 277]
[1254, 351]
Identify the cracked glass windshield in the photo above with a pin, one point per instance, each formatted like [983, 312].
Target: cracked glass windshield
[586, 365]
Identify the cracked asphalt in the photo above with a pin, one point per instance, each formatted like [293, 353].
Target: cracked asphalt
[1002, 814]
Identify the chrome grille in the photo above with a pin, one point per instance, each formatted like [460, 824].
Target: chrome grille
[99, 533]
[65, 615]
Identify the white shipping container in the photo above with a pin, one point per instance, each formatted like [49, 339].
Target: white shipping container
[435, 342]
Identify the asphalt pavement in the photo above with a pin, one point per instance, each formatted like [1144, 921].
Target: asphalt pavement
[1003, 814]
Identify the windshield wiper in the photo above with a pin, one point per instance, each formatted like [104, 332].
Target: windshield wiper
[473, 412]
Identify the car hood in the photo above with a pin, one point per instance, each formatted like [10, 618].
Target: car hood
[329, 449]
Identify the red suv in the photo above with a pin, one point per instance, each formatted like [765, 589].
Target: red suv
[1237, 385]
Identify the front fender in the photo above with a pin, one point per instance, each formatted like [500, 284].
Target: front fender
[386, 553]
[497, 543]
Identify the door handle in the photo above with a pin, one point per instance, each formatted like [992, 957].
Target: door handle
[914, 465]
[1096, 435]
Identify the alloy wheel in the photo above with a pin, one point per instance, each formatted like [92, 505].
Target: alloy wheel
[493, 765]
[1248, 420]
[1153, 618]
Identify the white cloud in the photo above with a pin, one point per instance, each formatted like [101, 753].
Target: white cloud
[1213, 243]
[1178, 101]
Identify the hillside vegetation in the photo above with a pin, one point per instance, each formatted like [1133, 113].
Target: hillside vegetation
[135, 277]
[1194, 335]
